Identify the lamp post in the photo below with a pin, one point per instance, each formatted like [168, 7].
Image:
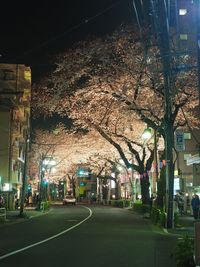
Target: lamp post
[46, 164]
[148, 134]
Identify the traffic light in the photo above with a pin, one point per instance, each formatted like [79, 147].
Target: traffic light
[45, 181]
[29, 187]
[82, 183]
[80, 173]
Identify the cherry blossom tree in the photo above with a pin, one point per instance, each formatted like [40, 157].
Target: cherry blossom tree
[115, 86]
[68, 151]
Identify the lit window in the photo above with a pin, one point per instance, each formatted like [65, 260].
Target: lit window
[182, 11]
[187, 136]
[183, 37]
[198, 42]
[27, 75]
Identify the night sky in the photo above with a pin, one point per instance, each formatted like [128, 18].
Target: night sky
[33, 31]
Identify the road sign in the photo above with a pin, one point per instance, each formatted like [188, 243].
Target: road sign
[179, 140]
[195, 159]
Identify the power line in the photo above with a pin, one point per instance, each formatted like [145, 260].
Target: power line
[73, 28]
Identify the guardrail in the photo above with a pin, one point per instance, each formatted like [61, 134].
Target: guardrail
[3, 213]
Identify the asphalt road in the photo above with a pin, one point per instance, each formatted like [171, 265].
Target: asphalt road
[80, 236]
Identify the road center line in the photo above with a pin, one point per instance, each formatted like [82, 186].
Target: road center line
[49, 238]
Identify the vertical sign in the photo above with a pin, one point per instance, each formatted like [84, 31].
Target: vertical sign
[179, 140]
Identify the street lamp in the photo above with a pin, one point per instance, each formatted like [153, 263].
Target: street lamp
[148, 134]
[46, 164]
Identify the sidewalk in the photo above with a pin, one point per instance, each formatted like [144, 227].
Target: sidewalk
[14, 216]
[185, 226]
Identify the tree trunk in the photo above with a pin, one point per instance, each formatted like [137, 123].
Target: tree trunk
[117, 190]
[144, 182]
[161, 191]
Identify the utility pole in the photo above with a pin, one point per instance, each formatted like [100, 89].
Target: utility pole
[24, 180]
[197, 8]
[155, 141]
[162, 30]
[41, 189]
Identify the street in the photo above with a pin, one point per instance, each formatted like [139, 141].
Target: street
[86, 236]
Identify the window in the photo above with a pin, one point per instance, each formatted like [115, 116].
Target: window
[182, 11]
[183, 37]
[8, 75]
[27, 75]
[187, 136]
[198, 42]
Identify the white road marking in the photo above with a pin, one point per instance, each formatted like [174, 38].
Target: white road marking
[47, 239]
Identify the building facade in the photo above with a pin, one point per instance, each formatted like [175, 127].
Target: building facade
[15, 94]
[184, 20]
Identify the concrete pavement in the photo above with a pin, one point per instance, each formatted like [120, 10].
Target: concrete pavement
[185, 223]
[185, 226]
[14, 217]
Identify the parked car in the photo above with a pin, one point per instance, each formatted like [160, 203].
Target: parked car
[69, 200]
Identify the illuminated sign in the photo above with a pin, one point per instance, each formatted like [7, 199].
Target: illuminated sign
[7, 187]
[195, 159]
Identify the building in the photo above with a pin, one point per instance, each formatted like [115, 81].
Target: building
[184, 20]
[15, 93]
[187, 167]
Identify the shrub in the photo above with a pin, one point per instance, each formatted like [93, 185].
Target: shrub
[127, 203]
[121, 203]
[158, 216]
[184, 252]
[137, 206]
[141, 208]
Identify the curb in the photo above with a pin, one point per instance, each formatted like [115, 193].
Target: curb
[16, 220]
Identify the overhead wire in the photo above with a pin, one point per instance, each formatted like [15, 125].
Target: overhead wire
[73, 28]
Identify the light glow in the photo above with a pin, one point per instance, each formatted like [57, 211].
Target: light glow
[182, 11]
[113, 175]
[147, 134]
[113, 184]
[183, 36]
[120, 168]
[7, 187]
[49, 162]
[53, 170]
